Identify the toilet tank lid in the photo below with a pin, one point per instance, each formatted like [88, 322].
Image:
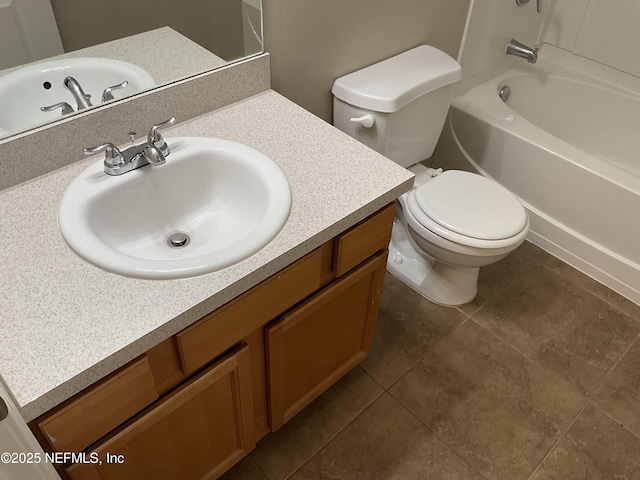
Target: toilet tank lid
[389, 85]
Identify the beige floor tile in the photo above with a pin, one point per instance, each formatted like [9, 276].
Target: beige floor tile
[495, 277]
[408, 326]
[619, 395]
[386, 443]
[496, 408]
[551, 319]
[594, 448]
[281, 453]
[589, 284]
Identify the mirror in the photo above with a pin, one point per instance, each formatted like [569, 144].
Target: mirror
[68, 56]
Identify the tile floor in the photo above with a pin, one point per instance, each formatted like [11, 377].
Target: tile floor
[537, 379]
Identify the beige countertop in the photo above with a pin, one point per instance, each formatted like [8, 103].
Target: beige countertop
[164, 53]
[65, 324]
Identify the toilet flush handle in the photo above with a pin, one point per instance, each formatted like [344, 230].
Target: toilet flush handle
[366, 121]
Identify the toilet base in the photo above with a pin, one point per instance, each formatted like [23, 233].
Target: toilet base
[440, 283]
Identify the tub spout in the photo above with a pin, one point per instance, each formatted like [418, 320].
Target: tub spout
[518, 49]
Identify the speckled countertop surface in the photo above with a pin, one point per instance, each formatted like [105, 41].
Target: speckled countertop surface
[164, 53]
[65, 324]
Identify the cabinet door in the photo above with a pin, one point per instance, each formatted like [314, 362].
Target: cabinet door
[313, 346]
[197, 432]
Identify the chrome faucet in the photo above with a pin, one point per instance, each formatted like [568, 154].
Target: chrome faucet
[154, 152]
[83, 100]
[518, 49]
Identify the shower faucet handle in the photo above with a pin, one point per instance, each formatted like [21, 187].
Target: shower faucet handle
[524, 2]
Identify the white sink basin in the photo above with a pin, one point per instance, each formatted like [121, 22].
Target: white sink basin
[24, 91]
[230, 199]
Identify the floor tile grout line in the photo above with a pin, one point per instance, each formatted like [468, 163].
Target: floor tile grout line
[616, 363]
[426, 354]
[435, 434]
[603, 380]
[592, 392]
[255, 464]
[534, 361]
[559, 438]
[519, 273]
[577, 284]
[333, 437]
[595, 405]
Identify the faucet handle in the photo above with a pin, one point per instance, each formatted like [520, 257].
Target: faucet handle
[66, 108]
[112, 157]
[107, 95]
[524, 2]
[155, 138]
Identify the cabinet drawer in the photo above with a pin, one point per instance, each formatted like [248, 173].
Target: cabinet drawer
[215, 333]
[198, 431]
[363, 240]
[317, 343]
[100, 409]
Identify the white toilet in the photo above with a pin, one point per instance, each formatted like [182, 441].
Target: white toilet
[451, 223]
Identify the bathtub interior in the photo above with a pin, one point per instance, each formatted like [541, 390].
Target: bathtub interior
[598, 120]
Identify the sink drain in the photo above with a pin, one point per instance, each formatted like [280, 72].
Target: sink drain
[178, 240]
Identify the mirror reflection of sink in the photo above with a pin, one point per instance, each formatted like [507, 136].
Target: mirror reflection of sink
[213, 204]
[24, 91]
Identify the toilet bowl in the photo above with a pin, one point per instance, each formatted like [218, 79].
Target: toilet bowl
[451, 223]
[431, 255]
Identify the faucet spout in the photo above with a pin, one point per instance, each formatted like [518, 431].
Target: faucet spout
[154, 156]
[518, 49]
[82, 99]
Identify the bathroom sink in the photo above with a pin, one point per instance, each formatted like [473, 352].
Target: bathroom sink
[213, 203]
[24, 91]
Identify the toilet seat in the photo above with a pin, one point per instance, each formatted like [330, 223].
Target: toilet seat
[468, 209]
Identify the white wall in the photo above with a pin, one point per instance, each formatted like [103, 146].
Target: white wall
[605, 31]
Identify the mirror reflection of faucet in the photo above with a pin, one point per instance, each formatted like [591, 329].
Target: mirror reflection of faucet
[83, 100]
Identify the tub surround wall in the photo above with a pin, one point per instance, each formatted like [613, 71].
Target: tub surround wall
[598, 30]
[604, 31]
[47, 148]
[314, 42]
[490, 25]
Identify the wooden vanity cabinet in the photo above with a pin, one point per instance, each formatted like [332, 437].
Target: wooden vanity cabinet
[197, 431]
[315, 344]
[195, 404]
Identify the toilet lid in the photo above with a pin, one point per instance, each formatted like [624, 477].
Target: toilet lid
[471, 205]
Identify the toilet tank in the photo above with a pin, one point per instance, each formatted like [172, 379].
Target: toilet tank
[407, 97]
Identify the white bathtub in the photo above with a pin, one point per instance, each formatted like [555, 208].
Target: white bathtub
[568, 145]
